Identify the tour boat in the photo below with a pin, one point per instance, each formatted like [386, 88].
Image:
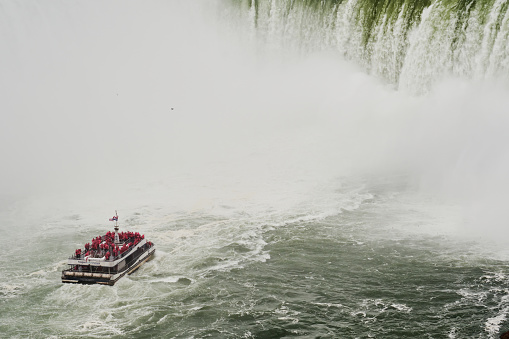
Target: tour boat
[108, 258]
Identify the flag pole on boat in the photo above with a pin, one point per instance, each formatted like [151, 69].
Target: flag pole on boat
[115, 218]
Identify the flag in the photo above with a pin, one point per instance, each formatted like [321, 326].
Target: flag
[115, 218]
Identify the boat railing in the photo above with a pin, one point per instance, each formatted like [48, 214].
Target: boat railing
[111, 258]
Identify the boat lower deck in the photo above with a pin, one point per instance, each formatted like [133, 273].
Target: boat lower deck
[77, 277]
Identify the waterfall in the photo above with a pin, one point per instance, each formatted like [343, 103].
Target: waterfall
[410, 44]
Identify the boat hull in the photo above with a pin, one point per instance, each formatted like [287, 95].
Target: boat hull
[87, 278]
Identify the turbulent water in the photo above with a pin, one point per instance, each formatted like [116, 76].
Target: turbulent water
[314, 169]
[352, 260]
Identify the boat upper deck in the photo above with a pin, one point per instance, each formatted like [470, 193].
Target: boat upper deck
[105, 251]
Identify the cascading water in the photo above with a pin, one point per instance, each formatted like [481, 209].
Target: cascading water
[410, 44]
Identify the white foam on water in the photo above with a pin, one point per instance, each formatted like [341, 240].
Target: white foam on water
[493, 277]
[9, 290]
[167, 279]
[329, 305]
[493, 324]
[401, 307]
[452, 333]
[378, 306]
[98, 328]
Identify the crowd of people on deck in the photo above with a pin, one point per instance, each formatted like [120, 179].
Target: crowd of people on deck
[105, 247]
